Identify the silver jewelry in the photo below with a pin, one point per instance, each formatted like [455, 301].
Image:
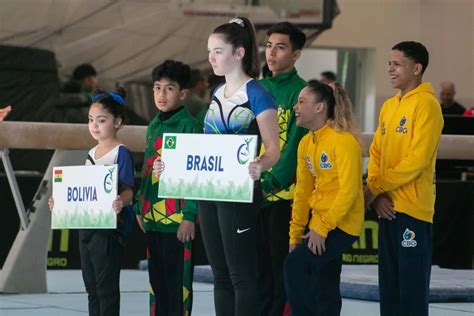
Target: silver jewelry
[237, 21]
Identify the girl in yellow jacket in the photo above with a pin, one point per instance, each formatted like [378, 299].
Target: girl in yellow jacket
[329, 185]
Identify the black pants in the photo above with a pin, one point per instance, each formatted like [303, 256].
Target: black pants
[330, 301]
[165, 270]
[405, 250]
[229, 236]
[304, 272]
[273, 225]
[101, 252]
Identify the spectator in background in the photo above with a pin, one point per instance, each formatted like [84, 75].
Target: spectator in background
[327, 77]
[4, 112]
[87, 76]
[73, 103]
[446, 97]
[70, 106]
[196, 101]
[200, 84]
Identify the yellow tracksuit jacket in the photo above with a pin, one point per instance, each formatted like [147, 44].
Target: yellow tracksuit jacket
[403, 152]
[329, 182]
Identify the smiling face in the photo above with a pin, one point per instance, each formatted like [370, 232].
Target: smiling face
[403, 71]
[224, 59]
[307, 109]
[102, 124]
[279, 54]
[168, 95]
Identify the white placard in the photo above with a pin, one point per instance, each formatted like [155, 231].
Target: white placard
[83, 196]
[207, 167]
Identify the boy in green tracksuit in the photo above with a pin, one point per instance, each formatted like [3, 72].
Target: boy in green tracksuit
[167, 223]
[284, 45]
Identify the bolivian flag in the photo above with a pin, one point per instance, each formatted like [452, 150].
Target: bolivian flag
[58, 175]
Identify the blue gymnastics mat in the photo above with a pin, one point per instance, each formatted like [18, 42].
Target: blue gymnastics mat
[361, 282]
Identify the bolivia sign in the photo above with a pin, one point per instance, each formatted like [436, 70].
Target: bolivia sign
[83, 197]
[207, 167]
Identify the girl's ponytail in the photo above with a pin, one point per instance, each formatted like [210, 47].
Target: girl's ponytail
[251, 61]
[240, 32]
[338, 106]
[343, 118]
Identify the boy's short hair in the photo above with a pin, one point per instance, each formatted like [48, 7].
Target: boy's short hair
[414, 51]
[329, 75]
[83, 71]
[173, 70]
[296, 35]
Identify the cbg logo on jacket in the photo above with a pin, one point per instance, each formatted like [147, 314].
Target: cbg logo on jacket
[325, 164]
[401, 129]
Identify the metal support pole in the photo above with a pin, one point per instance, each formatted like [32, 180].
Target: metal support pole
[20, 207]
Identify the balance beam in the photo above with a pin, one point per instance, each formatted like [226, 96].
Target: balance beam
[32, 135]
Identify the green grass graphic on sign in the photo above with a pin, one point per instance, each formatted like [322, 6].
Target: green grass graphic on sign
[83, 218]
[213, 190]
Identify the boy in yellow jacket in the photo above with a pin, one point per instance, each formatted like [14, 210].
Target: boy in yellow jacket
[329, 184]
[401, 183]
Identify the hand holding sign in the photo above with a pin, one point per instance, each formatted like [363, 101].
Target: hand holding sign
[51, 203]
[158, 167]
[255, 169]
[117, 205]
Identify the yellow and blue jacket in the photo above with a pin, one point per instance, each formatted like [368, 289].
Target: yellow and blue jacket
[403, 152]
[329, 183]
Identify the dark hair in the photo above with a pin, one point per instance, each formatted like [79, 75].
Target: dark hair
[113, 102]
[324, 94]
[313, 81]
[414, 51]
[339, 106]
[173, 70]
[329, 74]
[196, 76]
[242, 36]
[83, 71]
[296, 35]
